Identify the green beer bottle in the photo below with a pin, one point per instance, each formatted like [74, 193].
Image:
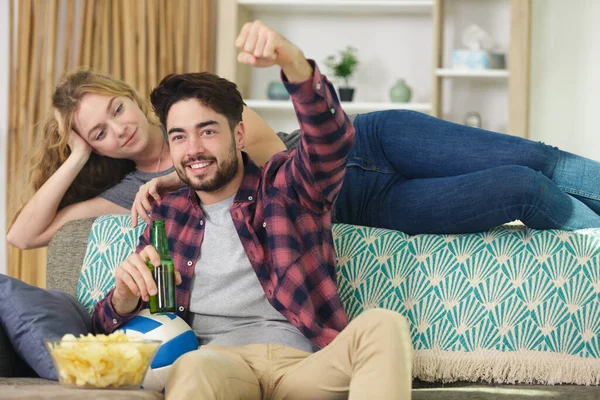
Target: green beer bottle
[164, 274]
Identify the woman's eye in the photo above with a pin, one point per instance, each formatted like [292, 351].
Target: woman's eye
[119, 109]
[100, 135]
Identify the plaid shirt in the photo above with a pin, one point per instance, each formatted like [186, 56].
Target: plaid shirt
[282, 215]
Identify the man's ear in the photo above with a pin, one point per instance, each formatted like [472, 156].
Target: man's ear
[240, 136]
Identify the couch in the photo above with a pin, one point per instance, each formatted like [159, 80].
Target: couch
[380, 268]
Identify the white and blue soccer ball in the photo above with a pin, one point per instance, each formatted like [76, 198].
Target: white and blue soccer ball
[177, 339]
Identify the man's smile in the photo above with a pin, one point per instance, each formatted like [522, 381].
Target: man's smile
[199, 167]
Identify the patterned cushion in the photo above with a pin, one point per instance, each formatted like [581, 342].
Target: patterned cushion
[112, 239]
[507, 305]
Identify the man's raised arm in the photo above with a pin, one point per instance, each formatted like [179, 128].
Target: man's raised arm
[327, 134]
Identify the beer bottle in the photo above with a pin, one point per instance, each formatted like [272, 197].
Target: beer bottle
[164, 274]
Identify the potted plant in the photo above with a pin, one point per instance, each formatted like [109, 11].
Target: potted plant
[343, 68]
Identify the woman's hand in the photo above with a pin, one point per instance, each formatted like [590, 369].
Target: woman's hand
[151, 192]
[76, 143]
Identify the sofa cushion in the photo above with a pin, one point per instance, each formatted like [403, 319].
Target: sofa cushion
[24, 390]
[508, 305]
[65, 255]
[29, 314]
[111, 239]
[22, 381]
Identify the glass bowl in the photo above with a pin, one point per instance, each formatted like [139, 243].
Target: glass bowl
[86, 363]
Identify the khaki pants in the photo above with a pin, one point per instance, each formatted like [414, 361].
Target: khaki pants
[371, 359]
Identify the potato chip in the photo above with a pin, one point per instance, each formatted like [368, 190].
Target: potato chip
[102, 360]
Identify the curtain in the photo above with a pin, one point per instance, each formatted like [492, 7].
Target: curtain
[138, 41]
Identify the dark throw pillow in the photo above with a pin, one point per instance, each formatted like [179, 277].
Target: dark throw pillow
[29, 315]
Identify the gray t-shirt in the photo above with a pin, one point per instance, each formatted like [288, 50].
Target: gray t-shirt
[228, 303]
[123, 193]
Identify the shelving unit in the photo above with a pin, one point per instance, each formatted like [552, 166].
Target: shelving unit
[324, 24]
[469, 73]
[516, 75]
[339, 7]
[356, 16]
[349, 107]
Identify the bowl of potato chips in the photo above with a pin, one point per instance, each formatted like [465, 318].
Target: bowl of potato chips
[102, 361]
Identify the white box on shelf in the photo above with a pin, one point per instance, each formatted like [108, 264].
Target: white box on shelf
[477, 59]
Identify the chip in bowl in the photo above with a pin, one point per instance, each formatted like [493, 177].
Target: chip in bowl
[102, 361]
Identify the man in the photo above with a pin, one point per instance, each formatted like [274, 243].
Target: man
[254, 248]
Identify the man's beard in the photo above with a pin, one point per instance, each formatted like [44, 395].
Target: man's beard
[225, 173]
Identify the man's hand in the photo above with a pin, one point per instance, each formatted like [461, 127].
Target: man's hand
[133, 280]
[261, 46]
[152, 191]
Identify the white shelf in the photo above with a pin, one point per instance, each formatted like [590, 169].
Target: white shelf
[361, 7]
[349, 107]
[472, 73]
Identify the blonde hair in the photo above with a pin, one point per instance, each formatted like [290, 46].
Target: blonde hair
[50, 148]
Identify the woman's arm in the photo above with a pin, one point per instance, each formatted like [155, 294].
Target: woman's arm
[28, 233]
[39, 220]
[261, 140]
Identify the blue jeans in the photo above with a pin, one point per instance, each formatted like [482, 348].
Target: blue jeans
[418, 174]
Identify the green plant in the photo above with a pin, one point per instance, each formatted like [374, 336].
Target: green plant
[345, 66]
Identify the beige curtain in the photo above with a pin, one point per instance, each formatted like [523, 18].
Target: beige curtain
[138, 41]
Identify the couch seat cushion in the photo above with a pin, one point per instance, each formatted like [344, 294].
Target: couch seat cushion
[59, 392]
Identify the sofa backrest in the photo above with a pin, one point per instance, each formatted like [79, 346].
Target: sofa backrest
[66, 252]
[510, 304]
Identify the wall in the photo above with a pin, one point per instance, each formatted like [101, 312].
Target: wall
[565, 75]
[4, 49]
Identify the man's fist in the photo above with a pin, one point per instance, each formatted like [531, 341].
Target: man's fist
[261, 46]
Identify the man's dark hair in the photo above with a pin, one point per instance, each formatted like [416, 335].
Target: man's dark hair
[219, 94]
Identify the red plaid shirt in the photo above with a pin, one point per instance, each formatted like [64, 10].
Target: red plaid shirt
[282, 215]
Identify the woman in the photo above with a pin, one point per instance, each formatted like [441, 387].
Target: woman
[407, 171]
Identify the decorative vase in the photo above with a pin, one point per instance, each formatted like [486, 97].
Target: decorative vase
[400, 92]
[277, 91]
[473, 119]
[346, 94]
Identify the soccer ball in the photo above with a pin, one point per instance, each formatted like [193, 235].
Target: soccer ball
[177, 339]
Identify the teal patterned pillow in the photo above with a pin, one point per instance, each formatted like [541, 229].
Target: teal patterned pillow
[112, 239]
[507, 305]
